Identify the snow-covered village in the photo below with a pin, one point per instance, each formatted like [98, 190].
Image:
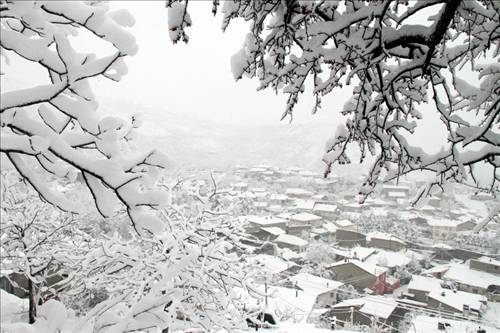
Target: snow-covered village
[281, 166]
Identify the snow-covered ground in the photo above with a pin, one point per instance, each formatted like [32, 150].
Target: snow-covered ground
[12, 309]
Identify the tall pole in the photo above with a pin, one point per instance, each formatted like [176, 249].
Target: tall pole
[352, 316]
[265, 288]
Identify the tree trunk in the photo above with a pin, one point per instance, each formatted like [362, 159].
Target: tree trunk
[32, 301]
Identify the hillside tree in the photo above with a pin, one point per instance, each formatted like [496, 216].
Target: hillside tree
[36, 242]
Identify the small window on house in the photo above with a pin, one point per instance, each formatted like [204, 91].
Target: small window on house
[332, 295]
[475, 291]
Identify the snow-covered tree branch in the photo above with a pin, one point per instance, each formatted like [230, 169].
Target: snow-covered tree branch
[55, 128]
[35, 242]
[397, 55]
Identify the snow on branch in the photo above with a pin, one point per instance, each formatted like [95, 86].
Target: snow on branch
[394, 66]
[56, 129]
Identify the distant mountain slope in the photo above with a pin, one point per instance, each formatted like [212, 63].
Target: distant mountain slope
[201, 142]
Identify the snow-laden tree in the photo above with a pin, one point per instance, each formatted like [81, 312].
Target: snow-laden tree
[397, 55]
[177, 282]
[184, 277]
[54, 129]
[36, 241]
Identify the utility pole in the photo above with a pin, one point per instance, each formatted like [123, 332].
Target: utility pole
[265, 288]
[352, 316]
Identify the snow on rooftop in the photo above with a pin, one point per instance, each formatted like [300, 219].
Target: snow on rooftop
[390, 259]
[319, 196]
[280, 197]
[274, 230]
[288, 254]
[271, 264]
[357, 252]
[304, 204]
[264, 220]
[384, 236]
[367, 267]
[379, 306]
[292, 327]
[442, 222]
[473, 206]
[313, 284]
[330, 227]
[442, 246]
[283, 301]
[462, 273]
[325, 207]
[353, 205]
[488, 260]
[437, 269]
[291, 239]
[457, 299]
[285, 215]
[319, 231]
[376, 201]
[343, 223]
[424, 283]
[492, 314]
[275, 208]
[426, 324]
[305, 217]
[298, 191]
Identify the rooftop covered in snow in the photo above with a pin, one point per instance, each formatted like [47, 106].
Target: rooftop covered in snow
[424, 283]
[325, 207]
[291, 239]
[265, 220]
[378, 306]
[314, 284]
[457, 299]
[369, 268]
[305, 217]
[274, 230]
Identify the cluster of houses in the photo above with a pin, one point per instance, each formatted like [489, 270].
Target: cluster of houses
[375, 275]
[370, 277]
[362, 291]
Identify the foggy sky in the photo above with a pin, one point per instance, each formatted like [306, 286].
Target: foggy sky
[194, 82]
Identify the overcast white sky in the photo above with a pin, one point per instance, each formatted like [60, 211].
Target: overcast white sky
[194, 82]
[195, 78]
